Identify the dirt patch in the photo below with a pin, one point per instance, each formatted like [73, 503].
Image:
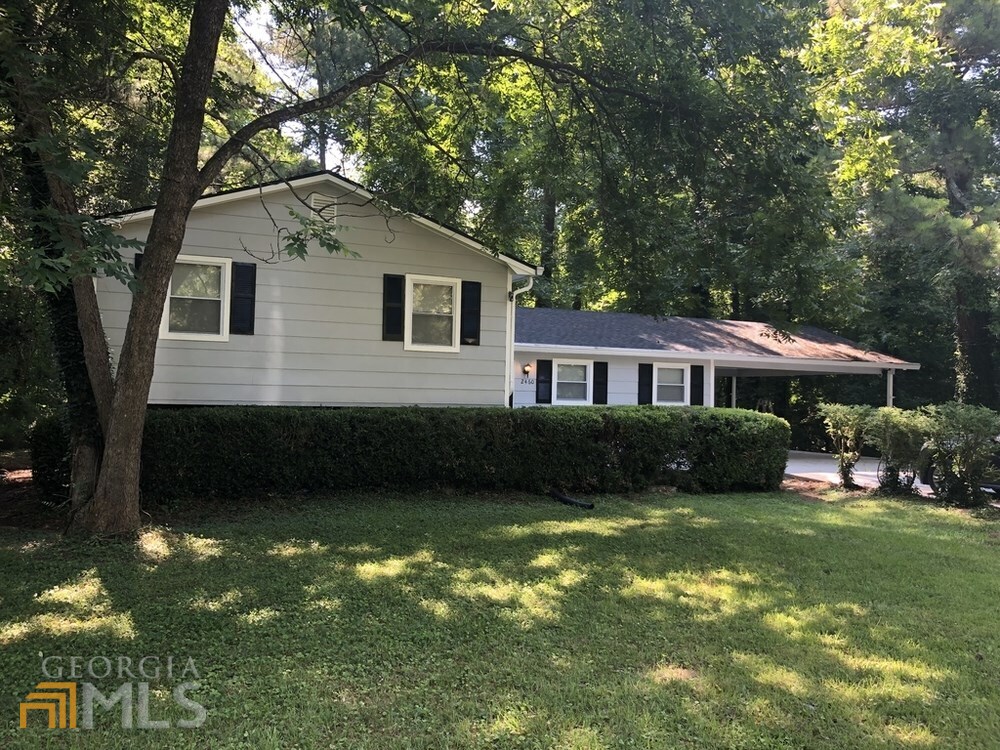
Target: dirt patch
[665, 673]
[20, 505]
[812, 490]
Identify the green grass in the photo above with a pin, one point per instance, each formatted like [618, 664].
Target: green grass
[418, 622]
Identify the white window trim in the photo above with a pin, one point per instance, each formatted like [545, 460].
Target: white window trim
[226, 264]
[687, 383]
[456, 313]
[555, 383]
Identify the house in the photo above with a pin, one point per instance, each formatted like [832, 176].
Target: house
[417, 314]
[583, 357]
[420, 314]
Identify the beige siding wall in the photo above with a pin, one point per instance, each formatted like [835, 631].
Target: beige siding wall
[318, 337]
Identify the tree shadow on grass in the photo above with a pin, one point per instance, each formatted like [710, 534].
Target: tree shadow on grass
[375, 622]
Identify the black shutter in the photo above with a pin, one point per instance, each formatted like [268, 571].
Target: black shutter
[243, 305]
[393, 287]
[697, 385]
[645, 384]
[137, 262]
[600, 382]
[543, 381]
[472, 294]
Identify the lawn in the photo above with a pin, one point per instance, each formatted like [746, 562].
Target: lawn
[663, 621]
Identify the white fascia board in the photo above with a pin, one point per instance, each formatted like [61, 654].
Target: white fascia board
[237, 195]
[727, 359]
[351, 189]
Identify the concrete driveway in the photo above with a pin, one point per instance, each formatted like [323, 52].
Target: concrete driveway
[823, 467]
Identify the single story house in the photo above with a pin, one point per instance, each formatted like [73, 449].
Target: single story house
[417, 313]
[584, 357]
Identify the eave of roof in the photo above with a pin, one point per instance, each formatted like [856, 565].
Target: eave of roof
[316, 178]
[724, 359]
[729, 343]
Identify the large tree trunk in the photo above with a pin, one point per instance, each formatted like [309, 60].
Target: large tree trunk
[84, 427]
[114, 510]
[83, 407]
[975, 369]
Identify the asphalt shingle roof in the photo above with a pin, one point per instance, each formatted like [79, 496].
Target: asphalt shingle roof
[606, 330]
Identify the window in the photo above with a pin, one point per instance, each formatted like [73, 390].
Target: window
[572, 382]
[432, 306]
[672, 384]
[198, 299]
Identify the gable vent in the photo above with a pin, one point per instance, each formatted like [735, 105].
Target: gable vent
[324, 207]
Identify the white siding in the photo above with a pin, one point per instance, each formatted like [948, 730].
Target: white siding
[623, 375]
[318, 324]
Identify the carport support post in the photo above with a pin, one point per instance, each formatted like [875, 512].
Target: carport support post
[732, 391]
[889, 387]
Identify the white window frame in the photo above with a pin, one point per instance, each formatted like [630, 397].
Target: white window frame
[456, 313]
[225, 288]
[687, 383]
[555, 382]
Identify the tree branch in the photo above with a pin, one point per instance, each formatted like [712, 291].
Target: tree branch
[274, 119]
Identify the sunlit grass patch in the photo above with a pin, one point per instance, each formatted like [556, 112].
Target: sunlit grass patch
[528, 600]
[156, 545]
[394, 567]
[587, 526]
[716, 593]
[79, 605]
[226, 600]
[296, 548]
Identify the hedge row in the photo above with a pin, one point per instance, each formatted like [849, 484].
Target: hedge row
[243, 451]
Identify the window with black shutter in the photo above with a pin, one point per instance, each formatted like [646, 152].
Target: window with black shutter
[243, 304]
[543, 381]
[645, 383]
[697, 385]
[393, 290]
[600, 382]
[431, 313]
[472, 296]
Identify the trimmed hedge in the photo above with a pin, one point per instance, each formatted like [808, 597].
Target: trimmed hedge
[244, 451]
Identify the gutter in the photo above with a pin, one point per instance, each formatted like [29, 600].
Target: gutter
[723, 359]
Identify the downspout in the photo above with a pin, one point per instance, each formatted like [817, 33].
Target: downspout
[512, 296]
[515, 293]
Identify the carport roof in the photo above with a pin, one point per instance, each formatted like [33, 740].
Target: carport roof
[541, 328]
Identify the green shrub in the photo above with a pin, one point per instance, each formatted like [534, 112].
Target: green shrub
[845, 424]
[245, 451]
[50, 456]
[899, 437]
[962, 438]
